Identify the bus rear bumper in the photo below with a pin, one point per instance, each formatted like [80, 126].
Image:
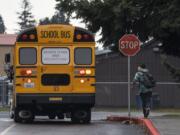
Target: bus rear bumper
[58, 99]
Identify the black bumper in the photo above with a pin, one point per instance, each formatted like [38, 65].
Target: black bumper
[63, 99]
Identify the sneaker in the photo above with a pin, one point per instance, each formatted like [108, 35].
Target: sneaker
[147, 112]
[144, 112]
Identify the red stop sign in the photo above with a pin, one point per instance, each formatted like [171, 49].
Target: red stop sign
[129, 45]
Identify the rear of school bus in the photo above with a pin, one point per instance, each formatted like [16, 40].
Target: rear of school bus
[54, 73]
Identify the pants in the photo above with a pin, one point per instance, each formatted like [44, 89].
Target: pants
[146, 101]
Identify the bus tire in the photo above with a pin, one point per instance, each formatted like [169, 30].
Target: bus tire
[81, 116]
[31, 118]
[17, 119]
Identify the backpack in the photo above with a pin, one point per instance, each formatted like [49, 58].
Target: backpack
[148, 80]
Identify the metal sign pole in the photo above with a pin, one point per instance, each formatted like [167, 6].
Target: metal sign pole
[129, 45]
[129, 87]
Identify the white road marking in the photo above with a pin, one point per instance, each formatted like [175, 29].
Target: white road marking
[1, 113]
[5, 119]
[7, 129]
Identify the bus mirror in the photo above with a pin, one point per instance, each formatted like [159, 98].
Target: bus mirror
[7, 58]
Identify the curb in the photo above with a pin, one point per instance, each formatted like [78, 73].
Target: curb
[150, 128]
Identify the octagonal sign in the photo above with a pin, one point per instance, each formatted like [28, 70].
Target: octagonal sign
[129, 45]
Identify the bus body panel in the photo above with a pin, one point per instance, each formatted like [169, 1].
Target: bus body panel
[64, 71]
[75, 85]
[20, 79]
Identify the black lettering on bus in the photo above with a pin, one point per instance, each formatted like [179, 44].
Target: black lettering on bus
[52, 34]
[56, 34]
[68, 34]
[44, 34]
[49, 34]
[65, 34]
[62, 34]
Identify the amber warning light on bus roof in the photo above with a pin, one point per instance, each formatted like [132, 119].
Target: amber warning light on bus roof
[81, 35]
[29, 35]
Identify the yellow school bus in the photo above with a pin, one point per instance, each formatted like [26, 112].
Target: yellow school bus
[54, 74]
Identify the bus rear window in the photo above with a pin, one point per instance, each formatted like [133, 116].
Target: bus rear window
[27, 56]
[83, 56]
[55, 56]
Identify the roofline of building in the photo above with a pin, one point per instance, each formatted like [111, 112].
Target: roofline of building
[7, 44]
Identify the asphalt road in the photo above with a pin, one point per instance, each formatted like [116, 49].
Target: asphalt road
[44, 126]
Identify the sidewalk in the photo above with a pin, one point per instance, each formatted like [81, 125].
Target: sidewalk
[166, 122]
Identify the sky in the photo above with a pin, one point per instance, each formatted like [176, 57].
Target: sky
[40, 9]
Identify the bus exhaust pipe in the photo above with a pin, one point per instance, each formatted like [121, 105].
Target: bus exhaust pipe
[25, 114]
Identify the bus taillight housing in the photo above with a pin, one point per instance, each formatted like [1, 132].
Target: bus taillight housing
[82, 35]
[29, 72]
[29, 35]
[83, 72]
[26, 72]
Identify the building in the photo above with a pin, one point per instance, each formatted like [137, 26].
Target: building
[7, 42]
[112, 67]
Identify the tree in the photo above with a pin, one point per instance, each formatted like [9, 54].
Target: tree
[45, 21]
[26, 19]
[58, 18]
[156, 18]
[173, 70]
[168, 30]
[2, 26]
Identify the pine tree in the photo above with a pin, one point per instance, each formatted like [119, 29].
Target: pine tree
[26, 19]
[2, 26]
[45, 21]
[59, 18]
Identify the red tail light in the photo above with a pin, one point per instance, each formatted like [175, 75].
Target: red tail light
[82, 72]
[23, 72]
[28, 72]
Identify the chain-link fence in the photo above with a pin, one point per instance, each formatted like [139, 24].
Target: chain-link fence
[5, 91]
[112, 78]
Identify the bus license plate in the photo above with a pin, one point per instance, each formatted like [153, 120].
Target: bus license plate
[28, 85]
